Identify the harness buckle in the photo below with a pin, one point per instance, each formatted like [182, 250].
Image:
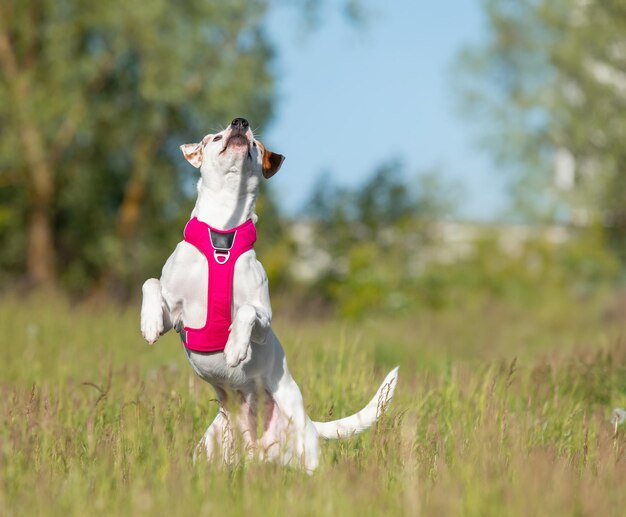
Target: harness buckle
[221, 256]
[222, 244]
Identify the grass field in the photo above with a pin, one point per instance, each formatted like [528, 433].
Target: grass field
[499, 411]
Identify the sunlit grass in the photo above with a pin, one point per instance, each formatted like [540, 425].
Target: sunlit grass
[498, 411]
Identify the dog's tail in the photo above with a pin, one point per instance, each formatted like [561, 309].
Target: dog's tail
[359, 422]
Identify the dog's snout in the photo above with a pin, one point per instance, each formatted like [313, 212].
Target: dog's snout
[240, 123]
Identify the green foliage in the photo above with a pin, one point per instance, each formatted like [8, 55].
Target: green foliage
[372, 234]
[389, 253]
[111, 89]
[550, 77]
[538, 272]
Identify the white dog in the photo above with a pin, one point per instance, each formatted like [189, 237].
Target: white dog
[249, 367]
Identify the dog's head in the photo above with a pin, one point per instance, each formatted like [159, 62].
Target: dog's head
[234, 148]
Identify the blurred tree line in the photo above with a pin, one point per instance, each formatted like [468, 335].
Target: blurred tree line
[550, 83]
[389, 250]
[95, 99]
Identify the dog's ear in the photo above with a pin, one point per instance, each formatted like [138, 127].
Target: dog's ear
[193, 153]
[271, 161]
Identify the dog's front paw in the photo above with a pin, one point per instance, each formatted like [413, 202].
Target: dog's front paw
[151, 312]
[237, 347]
[151, 326]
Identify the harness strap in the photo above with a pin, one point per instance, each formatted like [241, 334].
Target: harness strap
[221, 249]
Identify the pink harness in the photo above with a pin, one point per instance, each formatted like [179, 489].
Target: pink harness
[221, 248]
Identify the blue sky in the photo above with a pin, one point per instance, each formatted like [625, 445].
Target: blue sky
[353, 98]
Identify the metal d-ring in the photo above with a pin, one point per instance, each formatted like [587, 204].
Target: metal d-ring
[221, 256]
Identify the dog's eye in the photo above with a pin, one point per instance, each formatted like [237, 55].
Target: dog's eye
[218, 137]
[253, 144]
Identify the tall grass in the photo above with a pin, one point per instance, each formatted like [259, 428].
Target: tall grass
[497, 412]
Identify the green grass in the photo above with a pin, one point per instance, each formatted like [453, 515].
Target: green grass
[498, 411]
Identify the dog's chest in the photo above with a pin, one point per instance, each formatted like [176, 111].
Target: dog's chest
[189, 282]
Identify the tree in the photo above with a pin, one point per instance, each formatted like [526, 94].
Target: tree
[551, 82]
[94, 100]
[368, 238]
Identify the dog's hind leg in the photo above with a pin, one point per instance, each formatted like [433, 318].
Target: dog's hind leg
[270, 444]
[208, 440]
[218, 437]
[300, 433]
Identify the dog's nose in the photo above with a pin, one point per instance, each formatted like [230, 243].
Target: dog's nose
[240, 123]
